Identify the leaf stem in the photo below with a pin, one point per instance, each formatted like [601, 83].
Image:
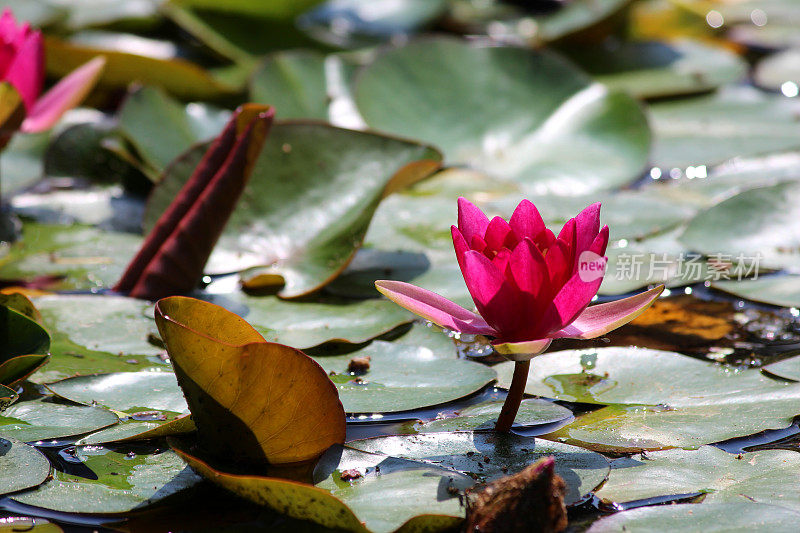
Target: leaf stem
[510, 407]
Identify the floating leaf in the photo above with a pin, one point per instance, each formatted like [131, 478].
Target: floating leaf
[113, 480]
[482, 417]
[780, 72]
[294, 83]
[637, 376]
[759, 477]
[786, 368]
[305, 324]
[285, 10]
[649, 69]
[766, 237]
[37, 420]
[160, 128]
[24, 346]
[340, 175]
[521, 115]
[489, 456]
[780, 289]
[704, 517]
[21, 162]
[261, 402]
[734, 122]
[93, 333]
[403, 377]
[124, 391]
[21, 466]
[86, 257]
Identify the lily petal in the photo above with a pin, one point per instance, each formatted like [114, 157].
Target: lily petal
[65, 95]
[434, 307]
[600, 319]
[528, 268]
[471, 220]
[498, 234]
[495, 298]
[526, 220]
[587, 225]
[26, 71]
[522, 351]
[600, 242]
[574, 296]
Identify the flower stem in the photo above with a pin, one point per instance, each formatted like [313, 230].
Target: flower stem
[510, 407]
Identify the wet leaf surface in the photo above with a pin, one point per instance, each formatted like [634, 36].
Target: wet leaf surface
[37, 420]
[124, 391]
[489, 456]
[21, 466]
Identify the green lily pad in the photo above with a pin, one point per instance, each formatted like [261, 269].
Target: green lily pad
[98, 13]
[130, 57]
[125, 391]
[786, 368]
[633, 428]
[358, 23]
[87, 257]
[420, 493]
[90, 207]
[307, 324]
[403, 377]
[285, 10]
[21, 466]
[113, 480]
[482, 416]
[38, 14]
[93, 333]
[760, 477]
[649, 69]
[160, 128]
[25, 346]
[779, 289]
[161, 424]
[766, 237]
[489, 456]
[637, 376]
[308, 203]
[701, 518]
[567, 21]
[294, 83]
[37, 420]
[780, 72]
[518, 114]
[734, 122]
[21, 162]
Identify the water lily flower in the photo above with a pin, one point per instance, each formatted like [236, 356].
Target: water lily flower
[529, 286]
[22, 67]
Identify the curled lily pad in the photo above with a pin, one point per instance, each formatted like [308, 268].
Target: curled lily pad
[703, 517]
[261, 402]
[545, 127]
[113, 480]
[37, 420]
[21, 466]
[124, 391]
[401, 377]
[759, 477]
[25, 345]
[489, 456]
[92, 334]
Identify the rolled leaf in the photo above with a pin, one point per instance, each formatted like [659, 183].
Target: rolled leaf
[172, 258]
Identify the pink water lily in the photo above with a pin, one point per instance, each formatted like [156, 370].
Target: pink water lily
[22, 66]
[528, 285]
